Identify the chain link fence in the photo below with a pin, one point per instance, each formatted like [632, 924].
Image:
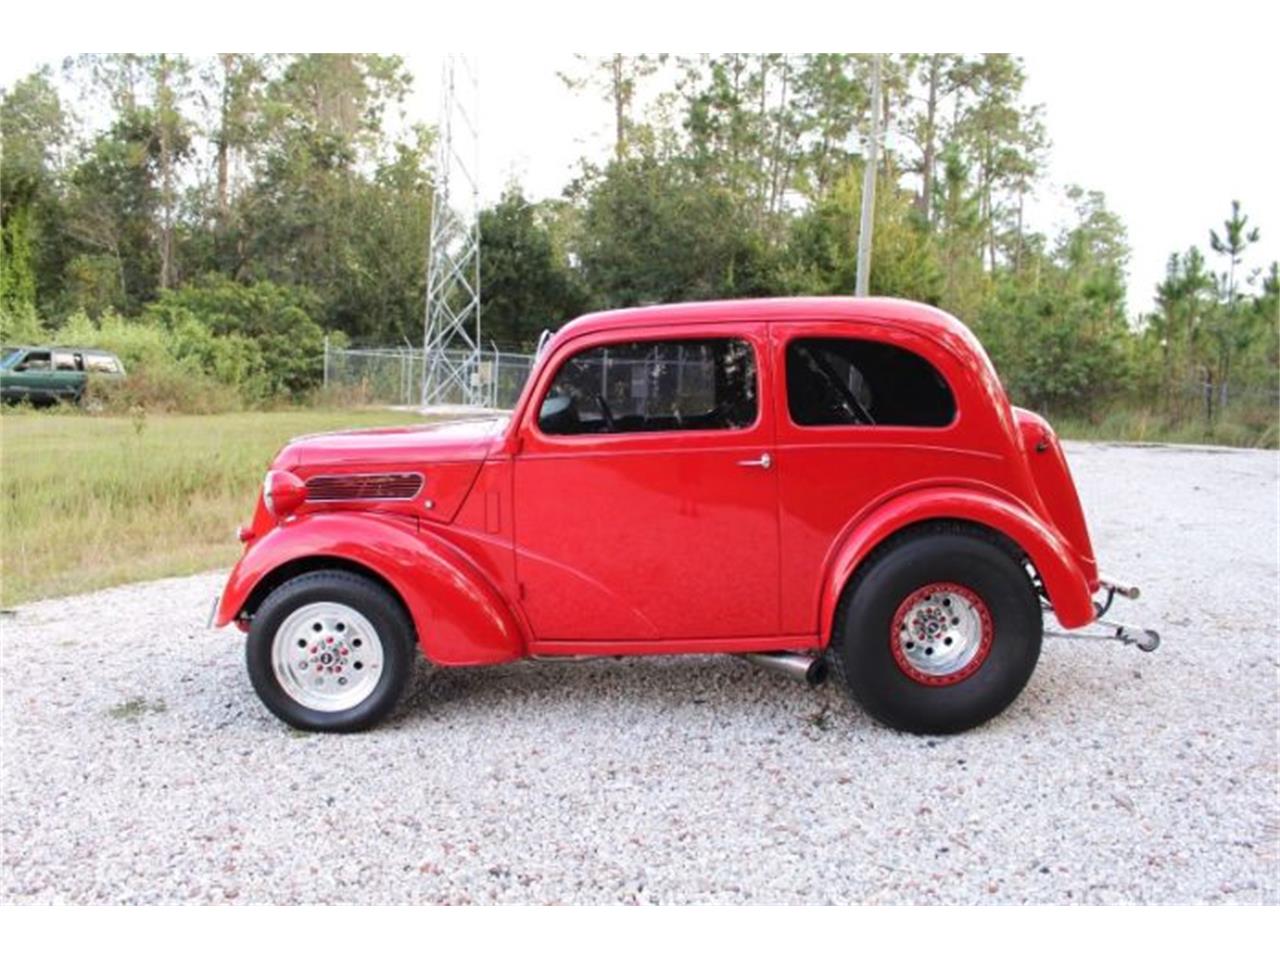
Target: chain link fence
[393, 375]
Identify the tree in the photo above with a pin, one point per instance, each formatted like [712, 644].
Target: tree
[834, 100]
[1181, 306]
[34, 130]
[651, 232]
[937, 76]
[615, 77]
[239, 84]
[314, 218]
[1231, 333]
[1002, 139]
[528, 285]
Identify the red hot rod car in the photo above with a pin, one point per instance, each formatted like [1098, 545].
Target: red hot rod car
[804, 481]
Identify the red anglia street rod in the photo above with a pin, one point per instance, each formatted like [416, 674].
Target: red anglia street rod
[807, 482]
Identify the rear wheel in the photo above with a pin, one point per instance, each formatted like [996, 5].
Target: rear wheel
[939, 631]
[330, 651]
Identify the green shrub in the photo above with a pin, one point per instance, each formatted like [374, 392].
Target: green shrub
[19, 324]
[162, 389]
[259, 337]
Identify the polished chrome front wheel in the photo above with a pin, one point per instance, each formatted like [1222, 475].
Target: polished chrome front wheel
[330, 650]
[327, 656]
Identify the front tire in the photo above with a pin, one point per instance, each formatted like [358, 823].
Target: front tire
[939, 631]
[330, 651]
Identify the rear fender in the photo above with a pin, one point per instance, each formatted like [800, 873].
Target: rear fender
[461, 619]
[1064, 581]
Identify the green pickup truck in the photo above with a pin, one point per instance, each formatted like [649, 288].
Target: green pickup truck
[50, 374]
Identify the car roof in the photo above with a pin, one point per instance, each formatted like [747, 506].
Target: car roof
[887, 310]
[93, 350]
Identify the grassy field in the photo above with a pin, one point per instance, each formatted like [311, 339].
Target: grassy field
[91, 502]
[1256, 427]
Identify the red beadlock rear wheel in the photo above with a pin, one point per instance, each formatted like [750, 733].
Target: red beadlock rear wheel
[939, 630]
[941, 634]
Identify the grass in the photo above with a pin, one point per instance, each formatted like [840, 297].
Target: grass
[136, 707]
[92, 502]
[1257, 427]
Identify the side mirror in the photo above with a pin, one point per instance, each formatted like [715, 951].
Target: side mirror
[559, 414]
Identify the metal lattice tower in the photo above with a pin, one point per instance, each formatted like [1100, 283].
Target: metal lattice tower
[452, 368]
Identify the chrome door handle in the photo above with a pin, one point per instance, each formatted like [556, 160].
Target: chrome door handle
[764, 463]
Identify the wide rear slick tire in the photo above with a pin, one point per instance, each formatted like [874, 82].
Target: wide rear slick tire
[939, 631]
[330, 651]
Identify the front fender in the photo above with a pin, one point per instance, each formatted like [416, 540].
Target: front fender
[1065, 582]
[460, 617]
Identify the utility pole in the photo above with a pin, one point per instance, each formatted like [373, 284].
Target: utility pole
[863, 275]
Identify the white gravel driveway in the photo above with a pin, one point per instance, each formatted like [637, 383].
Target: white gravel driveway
[138, 767]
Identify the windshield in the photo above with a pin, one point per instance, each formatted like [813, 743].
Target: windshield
[8, 357]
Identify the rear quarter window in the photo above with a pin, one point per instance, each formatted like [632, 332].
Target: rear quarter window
[838, 381]
[97, 363]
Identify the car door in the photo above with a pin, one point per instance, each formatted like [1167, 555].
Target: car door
[29, 377]
[864, 410]
[67, 376]
[646, 506]
[12, 384]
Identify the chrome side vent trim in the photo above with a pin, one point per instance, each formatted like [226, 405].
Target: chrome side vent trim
[365, 486]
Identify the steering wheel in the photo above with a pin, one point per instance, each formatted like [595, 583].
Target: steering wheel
[605, 412]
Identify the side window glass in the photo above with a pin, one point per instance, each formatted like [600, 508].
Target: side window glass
[100, 364]
[35, 360]
[64, 361]
[653, 385]
[841, 382]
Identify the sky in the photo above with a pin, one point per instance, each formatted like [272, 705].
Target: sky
[1163, 135]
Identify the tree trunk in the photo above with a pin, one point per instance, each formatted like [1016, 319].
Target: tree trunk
[1017, 252]
[930, 140]
[223, 143]
[777, 184]
[164, 123]
[1168, 366]
[619, 109]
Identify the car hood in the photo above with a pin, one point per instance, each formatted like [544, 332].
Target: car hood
[453, 441]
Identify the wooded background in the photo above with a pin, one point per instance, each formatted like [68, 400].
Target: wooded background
[235, 209]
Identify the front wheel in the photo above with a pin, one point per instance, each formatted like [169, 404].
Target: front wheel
[939, 632]
[330, 651]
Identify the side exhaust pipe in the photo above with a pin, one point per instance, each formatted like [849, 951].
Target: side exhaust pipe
[797, 666]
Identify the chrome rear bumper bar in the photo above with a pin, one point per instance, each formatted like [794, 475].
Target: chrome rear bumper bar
[1126, 590]
[1144, 638]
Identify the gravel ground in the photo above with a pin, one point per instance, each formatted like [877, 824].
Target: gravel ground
[138, 767]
